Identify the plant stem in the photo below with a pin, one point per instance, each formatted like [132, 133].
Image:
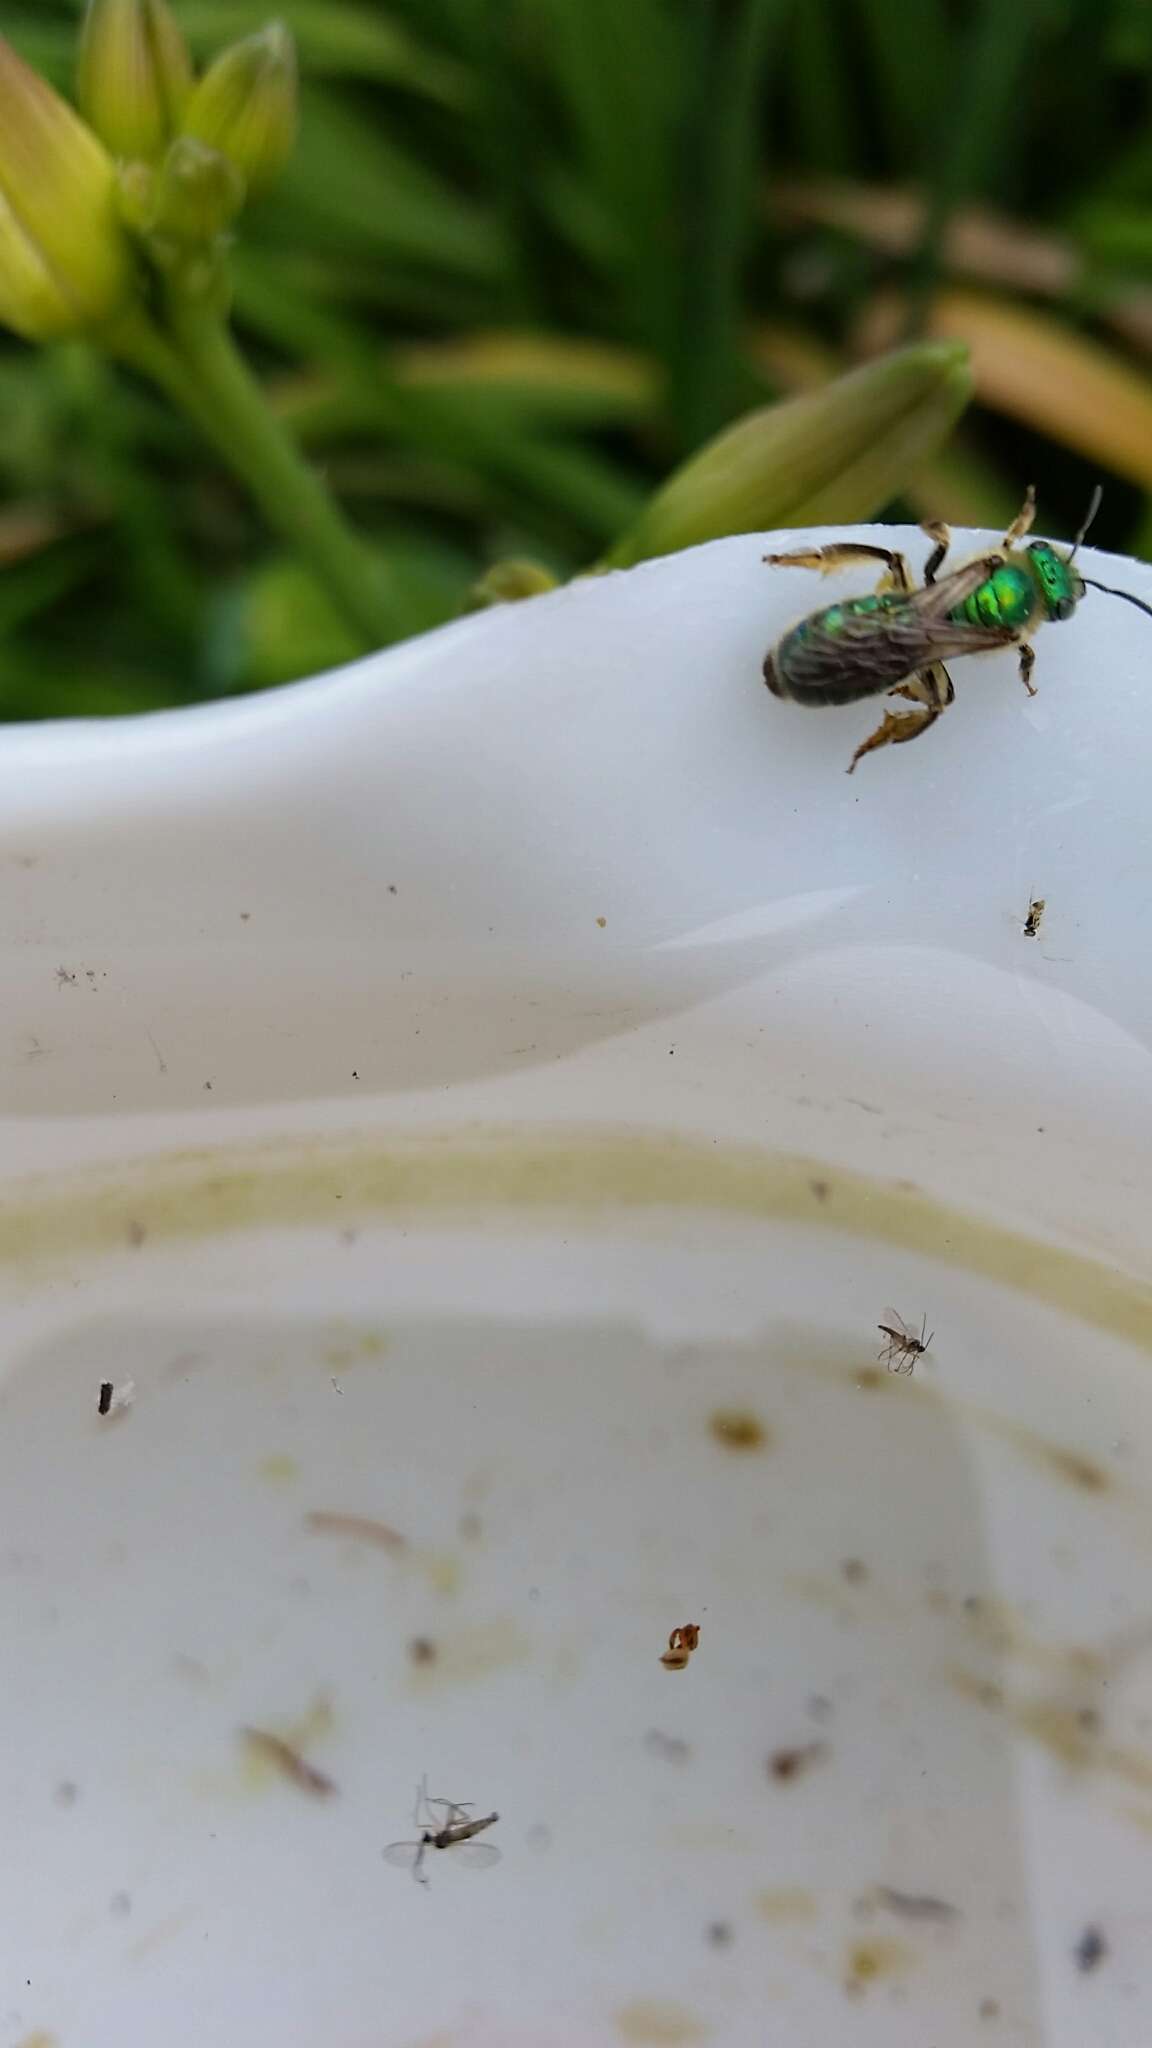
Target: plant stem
[196, 362]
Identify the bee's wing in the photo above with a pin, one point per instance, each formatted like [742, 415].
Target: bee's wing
[403, 1854]
[868, 653]
[477, 1855]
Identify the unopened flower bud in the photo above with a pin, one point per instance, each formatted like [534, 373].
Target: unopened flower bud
[134, 76]
[245, 105]
[839, 454]
[197, 193]
[65, 261]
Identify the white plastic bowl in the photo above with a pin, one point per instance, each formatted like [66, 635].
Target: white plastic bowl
[468, 1092]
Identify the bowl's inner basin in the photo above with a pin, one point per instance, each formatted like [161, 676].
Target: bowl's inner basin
[419, 1502]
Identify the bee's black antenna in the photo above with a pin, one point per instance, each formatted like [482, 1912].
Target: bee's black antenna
[1089, 516]
[1125, 594]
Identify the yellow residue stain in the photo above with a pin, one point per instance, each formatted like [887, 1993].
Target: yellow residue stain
[1080, 1472]
[465, 1655]
[1130, 1764]
[1069, 1732]
[738, 1429]
[1059, 1729]
[348, 1344]
[292, 1765]
[871, 1380]
[984, 1692]
[1083, 1474]
[159, 1935]
[259, 1767]
[280, 1469]
[661, 2022]
[442, 1569]
[869, 1961]
[204, 1193]
[1001, 1628]
[38, 2040]
[786, 1903]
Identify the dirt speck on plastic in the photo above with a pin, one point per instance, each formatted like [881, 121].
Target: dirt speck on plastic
[659, 2023]
[786, 1905]
[871, 1961]
[738, 1429]
[355, 1528]
[786, 1765]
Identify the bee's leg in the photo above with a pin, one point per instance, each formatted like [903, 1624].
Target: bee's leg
[931, 686]
[894, 728]
[1023, 521]
[1027, 664]
[839, 554]
[937, 531]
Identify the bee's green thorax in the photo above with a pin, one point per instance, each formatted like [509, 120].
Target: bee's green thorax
[1009, 597]
[1030, 587]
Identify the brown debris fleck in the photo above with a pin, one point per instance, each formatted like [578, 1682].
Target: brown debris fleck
[681, 1644]
[738, 1429]
[361, 1528]
[289, 1762]
[786, 1764]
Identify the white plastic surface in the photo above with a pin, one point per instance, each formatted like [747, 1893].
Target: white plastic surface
[468, 1092]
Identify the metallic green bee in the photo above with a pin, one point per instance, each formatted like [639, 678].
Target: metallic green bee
[899, 638]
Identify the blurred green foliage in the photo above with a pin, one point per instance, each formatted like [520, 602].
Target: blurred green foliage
[530, 253]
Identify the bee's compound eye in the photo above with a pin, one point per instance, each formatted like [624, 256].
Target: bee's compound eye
[1065, 607]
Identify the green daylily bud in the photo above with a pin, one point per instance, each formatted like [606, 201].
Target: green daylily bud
[65, 261]
[197, 193]
[507, 582]
[245, 105]
[830, 457]
[134, 76]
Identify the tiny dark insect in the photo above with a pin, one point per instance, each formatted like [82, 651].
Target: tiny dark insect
[105, 1401]
[903, 1346]
[915, 1905]
[1091, 1949]
[455, 1831]
[1032, 921]
[786, 1764]
[898, 638]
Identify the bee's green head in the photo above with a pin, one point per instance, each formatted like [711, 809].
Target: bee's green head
[1056, 580]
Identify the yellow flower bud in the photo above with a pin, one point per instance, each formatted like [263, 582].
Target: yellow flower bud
[834, 455]
[508, 582]
[134, 75]
[65, 261]
[196, 194]
[245, 105]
